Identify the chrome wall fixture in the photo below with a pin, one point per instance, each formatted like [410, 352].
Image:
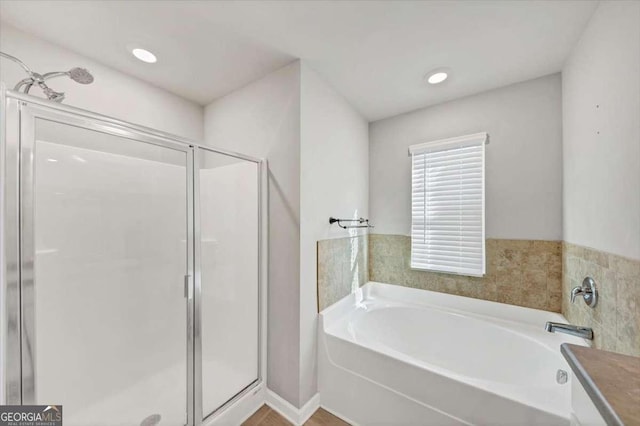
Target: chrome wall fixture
[588, 291]
[589, 294]
[17, 119]
[361, 223]
[79, 75]
[573, 330]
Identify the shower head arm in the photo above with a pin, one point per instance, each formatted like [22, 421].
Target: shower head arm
[55, 74]
[26, 82]
[18, 61]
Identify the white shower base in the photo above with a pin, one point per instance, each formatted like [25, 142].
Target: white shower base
[136, 402]
[396, 355]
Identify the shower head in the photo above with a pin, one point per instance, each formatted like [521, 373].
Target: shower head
[81, 75]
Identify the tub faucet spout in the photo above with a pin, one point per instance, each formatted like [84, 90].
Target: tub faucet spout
[574, 330]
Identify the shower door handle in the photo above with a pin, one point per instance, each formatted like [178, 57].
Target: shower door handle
[188, 288]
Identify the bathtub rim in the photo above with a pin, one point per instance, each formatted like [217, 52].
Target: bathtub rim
[488, 309]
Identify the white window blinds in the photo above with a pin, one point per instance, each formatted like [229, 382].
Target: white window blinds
[447, 205]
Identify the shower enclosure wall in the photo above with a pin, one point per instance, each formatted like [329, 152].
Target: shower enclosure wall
[132, 269]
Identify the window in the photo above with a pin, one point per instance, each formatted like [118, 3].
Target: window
[447, 205]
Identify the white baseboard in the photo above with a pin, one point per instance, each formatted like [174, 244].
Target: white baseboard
[309, 408]
[297, 416]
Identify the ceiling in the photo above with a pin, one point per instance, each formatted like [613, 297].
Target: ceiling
[375, 53]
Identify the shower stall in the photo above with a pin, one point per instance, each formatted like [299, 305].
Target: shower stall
[132, 269]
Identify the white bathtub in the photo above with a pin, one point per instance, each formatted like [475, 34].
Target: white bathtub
[396, 355]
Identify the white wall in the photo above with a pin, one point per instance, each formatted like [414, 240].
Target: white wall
[317, 148]
[333, 182]
[601, 133]
[263, 120]
[112, 93]
[523, 159]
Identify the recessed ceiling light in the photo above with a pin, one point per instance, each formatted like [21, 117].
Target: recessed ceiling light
[144, 55]
[437, 77]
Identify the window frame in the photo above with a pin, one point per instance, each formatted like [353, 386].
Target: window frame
[472, 140]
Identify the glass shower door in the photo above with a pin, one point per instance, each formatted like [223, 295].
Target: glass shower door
[106, 275]
[228, 255]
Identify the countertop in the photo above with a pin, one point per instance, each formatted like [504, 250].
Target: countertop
[611, 380]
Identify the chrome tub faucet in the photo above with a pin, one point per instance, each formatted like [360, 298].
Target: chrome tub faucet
[589, 293]
[574, 330]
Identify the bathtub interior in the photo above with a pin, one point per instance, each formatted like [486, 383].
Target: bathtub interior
[501, 349]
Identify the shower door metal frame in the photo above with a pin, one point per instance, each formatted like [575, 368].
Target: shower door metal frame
[17, 250]
[262, 269]
[28, 115]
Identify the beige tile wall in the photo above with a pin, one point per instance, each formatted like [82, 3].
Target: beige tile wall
[519, 272]
[342, 268]
[616, 318]
[528, 273]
